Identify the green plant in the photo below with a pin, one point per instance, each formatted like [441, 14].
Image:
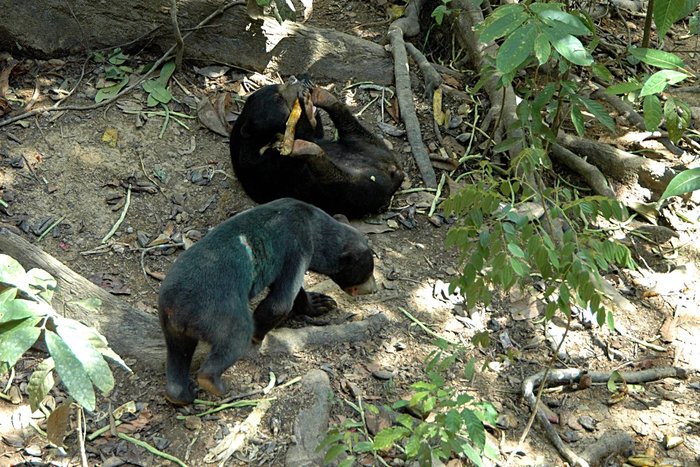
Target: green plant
[77, 351]
[441, 11]
[675, 112]
[115, 70]
[450, 423]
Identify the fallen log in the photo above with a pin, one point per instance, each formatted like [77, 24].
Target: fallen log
[129, 331]
[54, 28]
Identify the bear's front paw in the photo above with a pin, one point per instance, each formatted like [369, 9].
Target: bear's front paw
[320, 304]
[322, 98]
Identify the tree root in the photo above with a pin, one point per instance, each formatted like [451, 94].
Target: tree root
[620, 165]
[613, 444]
[403, 92]
[431, 77]
[590, 173]
[285, 341]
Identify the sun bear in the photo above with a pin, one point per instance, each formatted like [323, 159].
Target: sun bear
[205, 294]
[354, 175]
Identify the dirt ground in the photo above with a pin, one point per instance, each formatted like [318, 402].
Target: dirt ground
[68, 166]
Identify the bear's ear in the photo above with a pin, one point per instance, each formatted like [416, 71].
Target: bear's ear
[342, 219]
[246, 129]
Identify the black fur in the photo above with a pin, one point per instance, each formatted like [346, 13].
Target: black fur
[206, 292]
[354, 175]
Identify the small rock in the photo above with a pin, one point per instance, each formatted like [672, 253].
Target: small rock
[383, 374]
[41, 226]
[455, 121]
[193, 423]
[161, 443]
[587, 422]
[113, 462]
[142, 238]
[33, 450]
[570, 436]
[196, 177]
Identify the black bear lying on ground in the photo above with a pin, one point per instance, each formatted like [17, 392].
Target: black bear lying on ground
[206, 292]
[354, 175]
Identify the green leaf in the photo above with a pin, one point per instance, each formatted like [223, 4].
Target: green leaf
[91, 359]
[517, 266]
[118, 58]
[472, 454]
[506, 145]
[658, 58]
[166, 72]
[111, 91]
[6, 296]
[577, 119]
[543, 49]
[516, 250]
[20, 309]
[677, 115]
[12, 273]
[40, 383]
[71, 371]
[659, 80]
[348, 462]
[157, 91]
[475, 428]
[334, 452]
[623, 88]
[599, 113]
[516, 49]
[363, 446]
[694, 23]
[602, 72]
[13, 344]
[388, 436]
[652, 112]
[684, 182]
[689, 6]
[569, 47]
[42, 280]
[503, 26]
[665, 14]
[558, 18]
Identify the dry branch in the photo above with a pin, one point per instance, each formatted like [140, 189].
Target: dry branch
[567, 376]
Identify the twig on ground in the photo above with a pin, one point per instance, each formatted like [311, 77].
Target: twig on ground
[51, 227]
[81, 437]
[433, 205]
[424, 327]
[151, 449]
[121, 218]
[178, 37]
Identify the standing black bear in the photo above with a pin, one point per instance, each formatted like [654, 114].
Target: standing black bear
[354, 175]
[206, 292]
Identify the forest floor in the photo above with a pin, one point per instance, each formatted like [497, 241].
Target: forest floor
[69, 166]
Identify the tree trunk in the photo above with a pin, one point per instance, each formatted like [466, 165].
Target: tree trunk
[53, 28]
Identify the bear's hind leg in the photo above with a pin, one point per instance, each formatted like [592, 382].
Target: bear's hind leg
[180, 350]
[229, 342]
